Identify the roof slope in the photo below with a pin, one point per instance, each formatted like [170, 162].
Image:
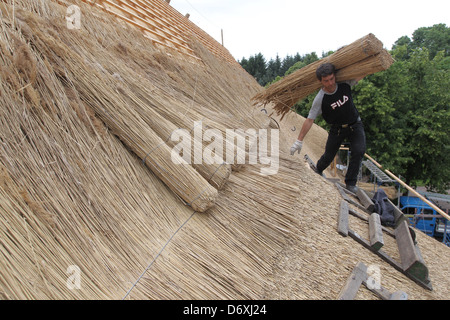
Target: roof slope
[74, 193]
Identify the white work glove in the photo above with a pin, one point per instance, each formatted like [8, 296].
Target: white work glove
[297, 146]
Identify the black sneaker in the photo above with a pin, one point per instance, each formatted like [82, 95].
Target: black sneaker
[353, 189]
[317, 171]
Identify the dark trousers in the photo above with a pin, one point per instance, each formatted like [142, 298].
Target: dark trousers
[356, 136]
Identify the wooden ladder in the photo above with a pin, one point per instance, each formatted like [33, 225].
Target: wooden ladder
[412, 264]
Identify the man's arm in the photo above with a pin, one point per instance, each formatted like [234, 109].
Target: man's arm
[313, 113]
[297, 146]
[305, 128]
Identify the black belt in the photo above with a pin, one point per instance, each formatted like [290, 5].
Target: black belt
[343, 126]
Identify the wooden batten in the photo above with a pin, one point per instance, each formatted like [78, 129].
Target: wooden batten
[375, 231]
[343, 218]
[365, 200]
[411, 259]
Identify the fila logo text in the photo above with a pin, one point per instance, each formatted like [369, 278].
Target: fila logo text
[339, 103]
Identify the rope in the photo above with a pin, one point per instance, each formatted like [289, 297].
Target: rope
[157, 256]
[217, 169]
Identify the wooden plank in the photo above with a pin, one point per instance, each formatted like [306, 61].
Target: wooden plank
[149, 21]
[384, 294]
[343, 219]
[155, 37]
[344, 195]
[375, 231]
[311, 163]
[378, 290]
[380, 253]
[360, 216]
[358, 275]
[365, 200]
[411, 258]
[341, 191]
[158, 16]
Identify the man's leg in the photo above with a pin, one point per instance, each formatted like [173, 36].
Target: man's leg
[331, 148]
[357, 139]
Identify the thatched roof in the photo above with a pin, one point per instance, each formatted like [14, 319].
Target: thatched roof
[75, 191]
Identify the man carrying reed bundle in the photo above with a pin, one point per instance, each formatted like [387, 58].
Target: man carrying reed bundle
[361, 58]
[334, 101]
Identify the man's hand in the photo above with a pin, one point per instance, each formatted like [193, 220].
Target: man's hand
[297, 146]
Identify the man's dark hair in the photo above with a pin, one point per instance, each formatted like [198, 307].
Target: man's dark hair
[324, 70]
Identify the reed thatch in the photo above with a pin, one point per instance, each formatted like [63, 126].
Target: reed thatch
[122, 111]
[363, 57]
[74, 191]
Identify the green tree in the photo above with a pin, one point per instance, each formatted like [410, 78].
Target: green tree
[384, 137]
[272, 71]
[256, 66]
[435, 39]
[407, 109]
[266, 73]
[428, 121]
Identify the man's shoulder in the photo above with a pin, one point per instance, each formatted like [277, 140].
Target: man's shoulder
[320, 94]
[319, 97]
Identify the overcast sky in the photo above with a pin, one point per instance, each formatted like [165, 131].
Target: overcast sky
[285, 27]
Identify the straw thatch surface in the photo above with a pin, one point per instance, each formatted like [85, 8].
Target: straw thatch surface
[74, 189]
[362, 57]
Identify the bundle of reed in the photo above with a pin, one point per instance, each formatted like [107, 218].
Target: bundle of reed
[373, 64]
[162, 107]
[134, 90]
[98, 92]
[162, 113]
[177, 90]
[131, 89]
[363, 57]
[183, 114]
[225, 99]
[216, 173]
[181, 178]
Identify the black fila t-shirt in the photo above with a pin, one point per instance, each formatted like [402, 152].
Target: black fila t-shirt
[336, 108]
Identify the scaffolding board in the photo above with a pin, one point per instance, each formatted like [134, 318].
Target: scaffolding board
[377, 173]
